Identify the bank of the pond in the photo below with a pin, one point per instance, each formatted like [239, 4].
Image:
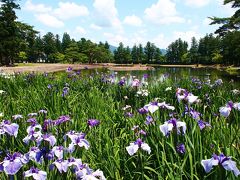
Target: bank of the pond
[216, 66]
[44, 67]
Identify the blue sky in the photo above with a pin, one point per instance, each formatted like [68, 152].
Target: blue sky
[127, 21]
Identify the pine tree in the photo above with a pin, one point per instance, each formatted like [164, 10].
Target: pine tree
[8, 32]
[228, 23]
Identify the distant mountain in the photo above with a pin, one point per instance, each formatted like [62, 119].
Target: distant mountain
[113, 48]
[164, 51]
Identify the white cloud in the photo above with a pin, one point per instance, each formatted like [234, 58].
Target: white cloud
[49, 20]
[115, 39]
[37, 8]
[106, 14]
[95, 27]
[80, 30]
[68, 10]
[161, 41]
[197, 3]
[163, 12]
[189, 21]
[186, 36]
[132, 20]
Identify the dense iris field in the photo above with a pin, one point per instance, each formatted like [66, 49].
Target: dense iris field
[74, 126]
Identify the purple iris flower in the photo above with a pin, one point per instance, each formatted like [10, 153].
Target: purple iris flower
[49, 86]
[46, 124]
[145, 76]
[9, 128]
[143, 132]
[61, 119]
[74, 162]
[86, 173]
[93, 122]
[181, 148]
[35, 173]
[218, 82]
[62, 165]
[149, 120]
[33, 121]
[44, 153]
[225, 110]
[236, 106]
[35, 154]
[152, 107]
[184, 95]
[50, 138]
[135, 83]
[17, 116]
[77, 139]
[166, 106]
[13, 163]
[42, 111]
[58, 151]
[195, 114]
[222, 161]
[133, 148]
[172, 124]
[143, 111]
[49, 155]
[78, 72]
[34, 134]
[128, 114]
[65, 91]
[69, 69]
[32, 114]
[203, 124]
[122, 82]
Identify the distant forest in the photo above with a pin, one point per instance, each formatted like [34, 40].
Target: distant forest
[20, 42]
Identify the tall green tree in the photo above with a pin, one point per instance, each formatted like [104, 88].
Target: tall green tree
[193, 52]
[49, 46]
[149, 52]
[106, 45]
[8, 32]
[140, 54]
[208, 45]
[58, 43]
[157, 56]
[72, 54]
[230, 48]
[127, 55]
[26, 36]
[134, 54]
[176, 51]
[119, 53]
[38, 48]
[66, 41]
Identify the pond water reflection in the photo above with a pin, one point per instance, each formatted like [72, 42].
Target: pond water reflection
[177, 73]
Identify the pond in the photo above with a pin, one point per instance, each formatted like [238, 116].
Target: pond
[176, 73]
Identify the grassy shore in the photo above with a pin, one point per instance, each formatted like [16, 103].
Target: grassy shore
[47, 67]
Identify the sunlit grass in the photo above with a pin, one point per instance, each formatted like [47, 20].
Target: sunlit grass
[91, 97]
